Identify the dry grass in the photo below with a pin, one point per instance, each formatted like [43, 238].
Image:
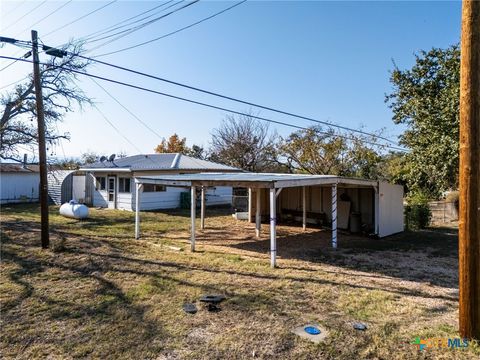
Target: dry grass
[102, 294]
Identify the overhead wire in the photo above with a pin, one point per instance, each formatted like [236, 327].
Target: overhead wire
[245, 102]
[79, 18]
[24, 15]
[173, 32]
[119, 26]
[126, 32]
[346, 137]
[127, 110]
[20, 4]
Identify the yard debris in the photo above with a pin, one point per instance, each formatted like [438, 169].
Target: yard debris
[175, 248]
[190, 308]
[360, 326]
[212, 301]
[313, 332]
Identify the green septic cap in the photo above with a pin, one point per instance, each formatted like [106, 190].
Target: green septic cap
[312, 330]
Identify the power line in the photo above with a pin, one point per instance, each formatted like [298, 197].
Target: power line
[13, 83]
[212, 106]
[45, 17]
[119, 26]
[238, 100]
[23, 16]
[80, 18]
[129, 31]
[15, 8]
[173, 32]
[126, 109]
[116, 129]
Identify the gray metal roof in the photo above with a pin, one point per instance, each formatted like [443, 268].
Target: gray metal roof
[169, 161]
[263, 180]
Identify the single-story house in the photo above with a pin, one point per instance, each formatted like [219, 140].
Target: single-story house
[332, 201]
[110, 183]
[19, 183]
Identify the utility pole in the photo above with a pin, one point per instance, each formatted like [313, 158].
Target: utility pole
[469, 214]
[42, 153]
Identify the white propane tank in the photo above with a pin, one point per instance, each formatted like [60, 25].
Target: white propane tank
[74, 210]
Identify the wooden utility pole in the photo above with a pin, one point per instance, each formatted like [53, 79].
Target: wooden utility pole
[469, 215]
[42, 153]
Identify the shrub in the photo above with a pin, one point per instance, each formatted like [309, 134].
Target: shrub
[417, 212]
[453, 197]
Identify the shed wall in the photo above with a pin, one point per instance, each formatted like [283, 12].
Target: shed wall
[19, 187]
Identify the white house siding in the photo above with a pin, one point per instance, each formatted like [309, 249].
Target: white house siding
[19, 187]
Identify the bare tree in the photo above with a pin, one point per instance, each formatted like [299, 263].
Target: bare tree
[60, 94]
[243, 142]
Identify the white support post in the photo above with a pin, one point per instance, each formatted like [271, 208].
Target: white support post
[304, 208]
[202, 209]
[334, 216]
[273, 228]
[250, 204]
[137, 210]
[258, 214]
[193, 205]
[376, 212]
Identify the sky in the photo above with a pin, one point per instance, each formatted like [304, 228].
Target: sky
[326, 60]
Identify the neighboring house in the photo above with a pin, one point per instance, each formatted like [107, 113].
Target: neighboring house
[111, 183]
[19, 183]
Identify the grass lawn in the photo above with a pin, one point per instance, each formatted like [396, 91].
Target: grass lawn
[99, 293]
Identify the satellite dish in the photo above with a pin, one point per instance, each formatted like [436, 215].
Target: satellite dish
[103, 158]
[111, 158]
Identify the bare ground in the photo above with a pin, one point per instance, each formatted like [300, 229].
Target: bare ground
[101, 294]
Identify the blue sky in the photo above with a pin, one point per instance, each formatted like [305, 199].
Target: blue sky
[327, 60]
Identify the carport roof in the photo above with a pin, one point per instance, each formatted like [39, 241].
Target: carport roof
[254, 180]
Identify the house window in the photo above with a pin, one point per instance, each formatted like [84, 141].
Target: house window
[124, 185]
[153, 188]
[101, 183]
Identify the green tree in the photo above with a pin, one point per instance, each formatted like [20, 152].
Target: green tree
[327, 152]
[425, 98]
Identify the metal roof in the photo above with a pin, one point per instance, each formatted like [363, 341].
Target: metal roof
[169, 161]
[263, 180]
[19, 168]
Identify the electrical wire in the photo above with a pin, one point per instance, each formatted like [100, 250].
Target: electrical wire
[237, 100]
[80, 18]
[15, 8]
[116, 129]
[45, 17]
[129, 31]
[13, 83]
[213, 106]
[127, 110]
[119, 26]
[24, 15]
[173, 32]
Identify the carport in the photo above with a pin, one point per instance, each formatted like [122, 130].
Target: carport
[386, 199]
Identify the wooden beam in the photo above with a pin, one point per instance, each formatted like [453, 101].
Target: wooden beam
[273, 229]
[193, 205]
[469, 212]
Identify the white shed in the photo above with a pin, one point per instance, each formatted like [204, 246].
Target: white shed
[19, 183]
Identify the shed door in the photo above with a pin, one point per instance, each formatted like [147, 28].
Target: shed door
[78, 188]
[390, 214]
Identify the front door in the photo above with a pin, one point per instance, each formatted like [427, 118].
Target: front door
[112, 192]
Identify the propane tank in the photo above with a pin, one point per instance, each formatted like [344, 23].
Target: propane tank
[74, 210]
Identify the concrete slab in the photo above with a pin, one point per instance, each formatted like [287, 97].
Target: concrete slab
[300, 331]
